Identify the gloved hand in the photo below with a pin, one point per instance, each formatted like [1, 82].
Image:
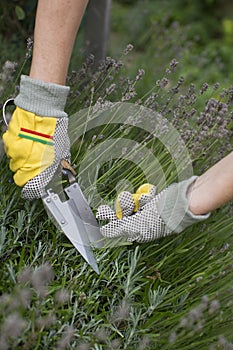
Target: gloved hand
[37, 137]
[128, 203]
[163, 214]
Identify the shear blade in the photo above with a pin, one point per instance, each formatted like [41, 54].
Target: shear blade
[88, 255]
[76, 220]
[82, 208]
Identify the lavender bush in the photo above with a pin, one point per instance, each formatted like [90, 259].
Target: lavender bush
[175, 293]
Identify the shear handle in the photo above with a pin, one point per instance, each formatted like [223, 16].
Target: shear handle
[68, 175]
[68, 172]
[10, 101]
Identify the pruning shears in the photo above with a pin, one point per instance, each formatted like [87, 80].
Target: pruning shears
[75, 218]
[72, 214]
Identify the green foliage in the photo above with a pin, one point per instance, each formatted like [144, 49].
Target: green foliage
[19, 13]
[175, 293]
[228, 30]
[196, 33]
[17, 17]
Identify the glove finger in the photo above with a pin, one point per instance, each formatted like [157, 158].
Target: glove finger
[147, 189]
[127, 203]
[113, 229]
[104, 212]
[35, 187]
[66, 149]
[124, 204]
[145, 193]
[143, 226]
[130, 227]
[143, 199]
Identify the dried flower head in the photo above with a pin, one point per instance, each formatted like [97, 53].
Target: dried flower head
[121, 313]
[25, 276]
[66, 338]
[13, 326]
[128, 48]
[62, 296]
[41, 278]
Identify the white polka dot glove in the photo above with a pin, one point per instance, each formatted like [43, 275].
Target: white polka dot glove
[37, 137]
[128, 203]
[156, 216]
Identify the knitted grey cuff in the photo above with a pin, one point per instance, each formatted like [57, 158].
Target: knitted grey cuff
[173, 207]
[43, 99]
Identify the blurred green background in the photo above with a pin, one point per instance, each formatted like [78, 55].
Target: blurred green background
[198, 33]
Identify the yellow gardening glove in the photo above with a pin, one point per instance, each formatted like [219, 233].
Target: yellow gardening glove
[37, 137]
[128, 203]
[29, 144]
[35, 146]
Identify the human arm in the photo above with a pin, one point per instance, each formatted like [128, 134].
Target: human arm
[214, 188]
[35, 154]
[172, 210]
[56, 26]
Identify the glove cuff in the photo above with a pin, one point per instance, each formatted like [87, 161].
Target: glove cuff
[173, 206]
[42, 99]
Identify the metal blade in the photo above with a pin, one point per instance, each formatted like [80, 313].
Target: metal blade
[68, 218]
[88, 255]
[84, 211]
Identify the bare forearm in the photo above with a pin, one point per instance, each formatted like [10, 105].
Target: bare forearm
[57, 23]
[214, 188]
